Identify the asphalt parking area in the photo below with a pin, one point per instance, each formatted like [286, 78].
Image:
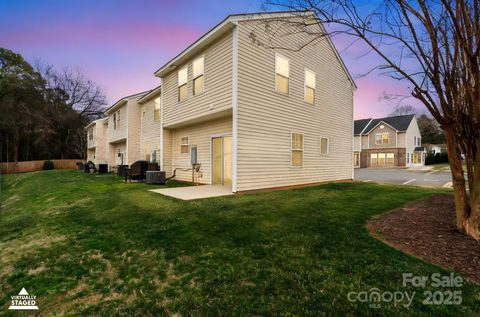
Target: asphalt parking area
[402, 176]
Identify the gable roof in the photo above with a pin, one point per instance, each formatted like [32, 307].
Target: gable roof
[399, 123]
[149, 95]
[229, 23]
[124, 100]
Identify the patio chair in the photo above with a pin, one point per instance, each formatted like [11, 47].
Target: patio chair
[137, 171]
[90, 167]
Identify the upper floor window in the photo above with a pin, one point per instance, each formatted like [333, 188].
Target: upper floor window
[282, 74]
[118, 118]
[184, 146]
[90, 134]
[415, 140]
[156, 110]
[198, 70]
[324, 146]
[419, 140]
[297, 149]
[381, 138]
[182, 83]
[114, 120]
[309, 86]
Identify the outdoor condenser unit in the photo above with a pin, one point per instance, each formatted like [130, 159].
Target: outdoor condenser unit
[155, 177]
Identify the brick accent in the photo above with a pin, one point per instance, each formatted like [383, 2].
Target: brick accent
[399, 153]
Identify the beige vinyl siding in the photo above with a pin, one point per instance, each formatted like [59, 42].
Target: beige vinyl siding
[413, 130]
[217, 95]
[364, 142]
[100, 142]
[356, 143]
[167, 152]
[121, 131]
[378, 130]
[91, 154]
[401, 139]
[150, 140]
[134, 132]
[200, 135]
[96, 146]
[266, 118]
[114, 149]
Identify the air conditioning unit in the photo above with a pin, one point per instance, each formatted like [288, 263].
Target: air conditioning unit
[156, 177]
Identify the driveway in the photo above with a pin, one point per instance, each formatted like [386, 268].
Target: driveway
[399, 176]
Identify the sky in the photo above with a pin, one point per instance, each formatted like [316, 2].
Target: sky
[119, 44]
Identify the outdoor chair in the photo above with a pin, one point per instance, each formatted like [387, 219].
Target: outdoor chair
[137, 171]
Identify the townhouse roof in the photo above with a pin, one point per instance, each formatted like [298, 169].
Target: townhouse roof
[399, 123]
[91, 124]
[228, 24]
[149, 95]
[123, 100]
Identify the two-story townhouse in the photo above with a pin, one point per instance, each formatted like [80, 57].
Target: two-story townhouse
[256, 115]
[96, 141]
[124, 124]
[388, 142]
[150, 125]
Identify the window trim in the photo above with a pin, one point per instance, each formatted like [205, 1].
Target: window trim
[202, 75]
[328, 145]
[275, 73]
[305, 85]
[381, 139]
[291, 148]
[185, 84]
[185, 144]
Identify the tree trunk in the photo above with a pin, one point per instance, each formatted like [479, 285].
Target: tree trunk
[462, 203]
[471, 223]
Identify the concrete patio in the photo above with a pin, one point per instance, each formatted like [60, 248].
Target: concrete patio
[195, 192]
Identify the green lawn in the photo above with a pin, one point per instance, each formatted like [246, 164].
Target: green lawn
[88, 244]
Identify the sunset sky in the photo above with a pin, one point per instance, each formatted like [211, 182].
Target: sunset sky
[119, 44]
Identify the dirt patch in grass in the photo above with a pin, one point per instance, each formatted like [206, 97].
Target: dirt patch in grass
[427, 230]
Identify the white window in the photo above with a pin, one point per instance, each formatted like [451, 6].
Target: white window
[373, 159]
[182, 83]
[114, 121]
[297, 149]
[156, 110]
[282, 74]
[309, 86]
[415, 140]
[381, 138]
[198, 71]
[390, 159]
[184, 148]
[324, 146]
[419, 140]
[90, 134]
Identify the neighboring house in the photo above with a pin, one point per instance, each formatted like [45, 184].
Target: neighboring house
[150, 125]
[435, 148]
[96, 141]
[388, 142]
[124, 131]
[253, 116]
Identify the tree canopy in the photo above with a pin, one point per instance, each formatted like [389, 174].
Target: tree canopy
[43, 110]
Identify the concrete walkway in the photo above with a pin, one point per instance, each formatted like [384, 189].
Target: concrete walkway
[195, 192]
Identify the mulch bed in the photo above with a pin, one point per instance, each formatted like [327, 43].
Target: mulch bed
[427, 230]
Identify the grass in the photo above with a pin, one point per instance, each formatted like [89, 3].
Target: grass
[91, 245]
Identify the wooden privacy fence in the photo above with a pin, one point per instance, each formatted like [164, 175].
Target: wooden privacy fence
[32, 166]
